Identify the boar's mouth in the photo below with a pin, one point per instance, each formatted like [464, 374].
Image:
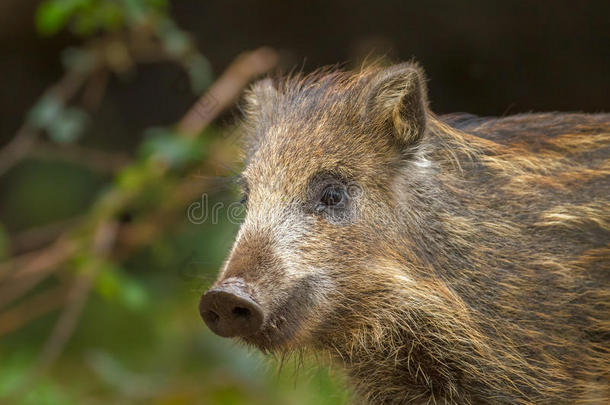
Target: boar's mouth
[287, 318]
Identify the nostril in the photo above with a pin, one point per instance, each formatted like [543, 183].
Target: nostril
[210, 316]
[241, 312]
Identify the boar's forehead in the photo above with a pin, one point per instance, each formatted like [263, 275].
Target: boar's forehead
[290, 156]
[316, 124]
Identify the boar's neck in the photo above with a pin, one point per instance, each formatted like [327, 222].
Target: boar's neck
[507, 299]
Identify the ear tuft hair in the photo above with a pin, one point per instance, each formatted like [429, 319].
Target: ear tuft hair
[260, 93]
[398, 98]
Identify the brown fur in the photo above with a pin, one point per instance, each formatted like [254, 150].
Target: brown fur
[471, 267]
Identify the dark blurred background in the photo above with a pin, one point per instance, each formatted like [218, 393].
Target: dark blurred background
[483, 57]
[90, 166]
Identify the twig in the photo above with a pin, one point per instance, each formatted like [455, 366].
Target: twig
[39, 236]
[103, 243]
[94, 159]
[148, 227]
[27, 135]
[95, 88]
[33, 308]
[77, 296]
[226, 89]
[17, 147]
[23, 273]
[36, 265]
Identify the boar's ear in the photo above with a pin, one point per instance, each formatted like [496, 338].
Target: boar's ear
[398, 98]
[259, 94]
[257, 107]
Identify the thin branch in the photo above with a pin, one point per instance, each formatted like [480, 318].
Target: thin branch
[34, 267]
[27, 135]
[102, 246]
[226, 89]
[95, 89]
[17, 147]
[64, 327]
[37, 265]
[23, 273]
[40, 236]
[35, 307]
[98, 160]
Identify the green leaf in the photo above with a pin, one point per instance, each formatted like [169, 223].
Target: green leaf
[200, 72]
[113, 284]
[175, 41]
[165, 146]
[110, 16]
[108, 284]
[46, 110]
[102, 15]
[157, 4]
[134, 176]
[133, 294]
[137, 10]
[69, 126]
[53, 15]
[64, 125]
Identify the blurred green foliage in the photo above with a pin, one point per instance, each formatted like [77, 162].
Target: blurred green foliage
[140, 339]
[64, 125]
[168, 148]
[85, 17]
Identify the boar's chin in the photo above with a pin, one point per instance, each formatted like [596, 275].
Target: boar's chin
[275, 336]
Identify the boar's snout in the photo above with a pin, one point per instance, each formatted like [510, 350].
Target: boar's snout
[230, 311]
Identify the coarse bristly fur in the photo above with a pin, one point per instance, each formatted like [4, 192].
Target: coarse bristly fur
[468, 262]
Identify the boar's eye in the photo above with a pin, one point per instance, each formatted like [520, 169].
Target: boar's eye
[332, 196]
[244, 199]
